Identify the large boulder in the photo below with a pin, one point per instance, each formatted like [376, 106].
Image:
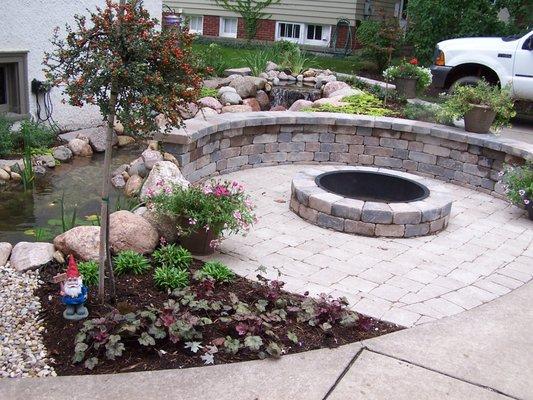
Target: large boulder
[230, 98]
[245, 86]
[62, 153]
[253, 103]
[271, 66]
[210, 102]
[225, 89]
[96, 137]
[346, 92]
[80, 148]
[259, 82]
[5, 251]
[188, 111]
[137, 167]
[151, 157]
[128, 231]
[334, 101]
[206, 112]
[332, 87]
[299, 104]
[165, 225]
[164, 173]
[236, 109]
[133, 186]
[124, 140]
[83, 242]
[263, 99]
[26, 256]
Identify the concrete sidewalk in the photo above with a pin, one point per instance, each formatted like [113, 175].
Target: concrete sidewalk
[485, 353]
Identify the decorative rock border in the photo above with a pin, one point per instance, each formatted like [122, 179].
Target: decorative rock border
[328, 210]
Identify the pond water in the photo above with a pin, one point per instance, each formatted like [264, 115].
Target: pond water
[36, 215]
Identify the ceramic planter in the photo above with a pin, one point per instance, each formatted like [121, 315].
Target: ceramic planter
[406, 87]
[529, 208]
[199, 242]
[479, 119]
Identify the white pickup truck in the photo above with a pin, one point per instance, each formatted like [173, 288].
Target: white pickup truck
[507, 60]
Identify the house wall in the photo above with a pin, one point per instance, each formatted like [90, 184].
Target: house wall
[27, 25]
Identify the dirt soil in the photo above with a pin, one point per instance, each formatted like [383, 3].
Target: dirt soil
[137, 292]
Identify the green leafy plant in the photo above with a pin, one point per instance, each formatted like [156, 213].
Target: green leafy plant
[251, 11]
[211, 60]
[89, 271]
[217, 271]
[410, 70]
[220, 206]
[37, 136]
[421, 112]
[208, 92]
[464, 98]
[364, 104]
[172, 256]
[257, 60]
[7, 137]
[380, 39]
[295, 60]
[130, 262]
[518, 183]
[171, 278]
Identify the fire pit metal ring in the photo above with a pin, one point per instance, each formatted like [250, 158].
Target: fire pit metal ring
[371, 201]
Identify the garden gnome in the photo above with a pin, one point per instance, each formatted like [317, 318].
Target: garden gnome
[74, 293]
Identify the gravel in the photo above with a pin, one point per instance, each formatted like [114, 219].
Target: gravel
[22, 352]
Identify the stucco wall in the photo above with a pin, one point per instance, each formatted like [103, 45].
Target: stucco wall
[27, 25]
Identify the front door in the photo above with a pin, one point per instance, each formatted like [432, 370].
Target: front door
[523, 69]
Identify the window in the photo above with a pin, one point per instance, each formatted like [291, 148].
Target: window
[288, 31]
[196, 24]
[318, 35]
[228, 27]
[13, 83]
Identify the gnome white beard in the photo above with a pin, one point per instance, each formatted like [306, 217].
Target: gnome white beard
[73, 287]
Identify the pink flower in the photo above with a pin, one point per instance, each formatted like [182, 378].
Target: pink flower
[237, 215]
[192, 221]
[221, 191]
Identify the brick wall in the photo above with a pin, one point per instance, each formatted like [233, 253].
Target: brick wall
[265, 31]
[343, 35]
[211, 25]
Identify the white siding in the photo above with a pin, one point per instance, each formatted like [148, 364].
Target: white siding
[27, 25]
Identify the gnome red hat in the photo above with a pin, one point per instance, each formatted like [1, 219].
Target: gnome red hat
[72, 269]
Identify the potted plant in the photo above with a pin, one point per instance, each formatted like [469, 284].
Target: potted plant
[518, 184]
[482, 106]
[204, 214]
[408, 78]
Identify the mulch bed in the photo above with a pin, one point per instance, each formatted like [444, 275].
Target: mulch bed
[137, 292]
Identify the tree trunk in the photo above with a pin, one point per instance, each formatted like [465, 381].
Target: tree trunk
[105, 253]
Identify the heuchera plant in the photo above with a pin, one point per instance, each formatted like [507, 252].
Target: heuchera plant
[220, 206]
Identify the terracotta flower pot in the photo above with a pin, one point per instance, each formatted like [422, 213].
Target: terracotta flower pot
[479, 119]
[406, 87]
[199, 242]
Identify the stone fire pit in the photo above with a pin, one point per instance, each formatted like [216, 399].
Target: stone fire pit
[370, 201]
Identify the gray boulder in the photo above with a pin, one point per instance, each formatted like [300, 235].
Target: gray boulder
[26, 256]
[137, 167]
[83, 242]
[46, 160]
[118, 181]
[62, 153]
[332, 87]
[151, 157]
[225, 89]
[97, 137]
[128, 231]
[245, 86]
[5, 251]
[230, 98]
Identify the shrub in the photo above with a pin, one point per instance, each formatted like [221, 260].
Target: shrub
[518, 183]
[421, 112]
[130, 262]
[89, 271]
[172, 256]
[408, 70]
[365, 104]
[461, 101]
[380, 39]
[217, 206]
[7, 137]
[171, 278]
[217, 271]
[37, 136]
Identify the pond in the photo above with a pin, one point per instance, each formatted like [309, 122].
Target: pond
[36, 215]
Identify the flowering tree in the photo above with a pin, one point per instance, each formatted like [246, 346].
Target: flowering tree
[118, 60]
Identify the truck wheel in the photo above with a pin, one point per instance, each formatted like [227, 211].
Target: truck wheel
[464, 81]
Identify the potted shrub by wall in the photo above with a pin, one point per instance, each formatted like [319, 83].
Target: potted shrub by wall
[409, 78]
[518, 184]
[482, 106]
[204, 214]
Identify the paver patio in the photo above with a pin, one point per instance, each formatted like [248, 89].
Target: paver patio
[485, 252]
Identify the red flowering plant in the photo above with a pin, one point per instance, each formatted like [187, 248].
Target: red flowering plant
[118, 59]
[410, 70]
[219, 206]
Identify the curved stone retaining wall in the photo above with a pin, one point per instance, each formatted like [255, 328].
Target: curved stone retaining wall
[230, 142]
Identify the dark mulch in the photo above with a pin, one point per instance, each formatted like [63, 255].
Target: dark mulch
[137, 292]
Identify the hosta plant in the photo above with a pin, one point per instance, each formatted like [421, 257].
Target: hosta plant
[89, 271]
[172, 256]
[217, 271]
[170, 278]
[130, 262]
